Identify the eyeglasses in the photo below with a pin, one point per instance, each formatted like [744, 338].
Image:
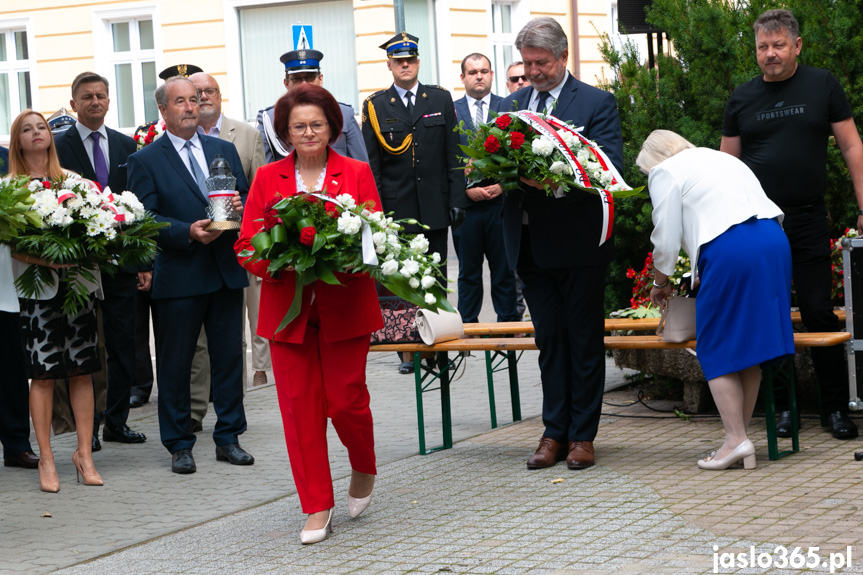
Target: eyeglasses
[316, 128]
[514, 79]
[210, 92]
[302, 78]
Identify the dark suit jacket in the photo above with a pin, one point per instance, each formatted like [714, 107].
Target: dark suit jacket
[423, 182]
[163, 183]
[73, 156]
[4, 161]
[565, 232]
[462, 112]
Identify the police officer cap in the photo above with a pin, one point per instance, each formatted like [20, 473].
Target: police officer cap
[184, 70]
[60, 121]
[402, 45]
[297, 61]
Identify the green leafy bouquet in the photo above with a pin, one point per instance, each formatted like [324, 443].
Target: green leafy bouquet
[316, 235]
[15, 213]
[72, 222]
[542, 148]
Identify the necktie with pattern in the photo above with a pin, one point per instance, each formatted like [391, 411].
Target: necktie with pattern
[196, 169]
[479, 118]
[99, 163]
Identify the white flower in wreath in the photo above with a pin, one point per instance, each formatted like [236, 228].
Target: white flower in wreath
[430, 299]
[389, 267]
[559, 168]
[349, 223]
[542, 146]
[347, 201]
[435, 257]
[414, 283]
[35, 186]
[420, 244]
[409, 268]
[583, 156]
[605, 178]
[379, 238]
[60, 217]
[427, 282]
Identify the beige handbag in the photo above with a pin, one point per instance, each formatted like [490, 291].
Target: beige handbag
[678, 320]
[437, 326]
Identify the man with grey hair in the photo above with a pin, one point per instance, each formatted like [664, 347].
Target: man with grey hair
[552, 242]
[197, 281]
[784, 118]
[515, 78]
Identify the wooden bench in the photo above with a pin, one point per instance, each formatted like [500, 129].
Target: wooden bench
[500, 354]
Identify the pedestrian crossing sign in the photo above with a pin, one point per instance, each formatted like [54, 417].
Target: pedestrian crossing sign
[302, 37]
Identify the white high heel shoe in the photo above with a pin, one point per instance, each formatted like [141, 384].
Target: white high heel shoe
[317, 535]
[744, 451]
[356, 506]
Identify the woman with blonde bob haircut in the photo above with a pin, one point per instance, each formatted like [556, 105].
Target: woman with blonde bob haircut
[712, 206]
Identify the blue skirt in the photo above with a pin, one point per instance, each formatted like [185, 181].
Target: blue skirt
[743, 306]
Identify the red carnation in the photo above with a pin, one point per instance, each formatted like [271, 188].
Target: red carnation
[137, 138]
[332, 209]
[152, 130]
[492, 144]
[307, 235]
[516, 139]
[148, 139]
[503, 122]
[46, 184]
[311, 199]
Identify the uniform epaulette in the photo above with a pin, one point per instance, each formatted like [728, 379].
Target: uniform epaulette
[267, 109]
[436, 86]
[378, 93]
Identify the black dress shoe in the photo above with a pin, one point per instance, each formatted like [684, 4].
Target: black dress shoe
[95, 444]
[195, 426]
[183, 462]
[25, 459]
[136, 401]
[842, 426]
[783, 424]
[406, 367]
[233, 453]
[122, 434]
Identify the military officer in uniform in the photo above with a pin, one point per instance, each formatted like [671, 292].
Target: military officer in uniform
[304, 66]
[413, 150]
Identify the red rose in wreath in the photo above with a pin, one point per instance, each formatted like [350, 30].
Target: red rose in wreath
[492, 144]
[307, 235]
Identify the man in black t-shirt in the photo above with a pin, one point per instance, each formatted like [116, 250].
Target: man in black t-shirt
[779, 124]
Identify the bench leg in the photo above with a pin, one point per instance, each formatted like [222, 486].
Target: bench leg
[768, 377]
[489, 374]
[446, 414]
[418, 379]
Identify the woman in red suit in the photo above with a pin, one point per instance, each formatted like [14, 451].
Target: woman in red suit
[319, 359]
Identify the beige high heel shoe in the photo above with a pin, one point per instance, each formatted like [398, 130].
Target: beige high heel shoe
[744, 451]
[49, 482]
[318, 535]
[92, 480]
[356, 505]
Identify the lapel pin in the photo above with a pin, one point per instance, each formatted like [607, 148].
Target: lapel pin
[392, 100]
[425, 95]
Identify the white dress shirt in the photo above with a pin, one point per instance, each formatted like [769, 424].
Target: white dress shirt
[697, 195]
[215, 131]
[401, 92]
[197, 152]
[553, 95]
[85, 132]
[472, 104]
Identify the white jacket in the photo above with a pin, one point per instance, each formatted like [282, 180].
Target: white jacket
[697, 194]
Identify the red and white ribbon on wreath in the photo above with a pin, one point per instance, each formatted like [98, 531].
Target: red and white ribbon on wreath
[548, 128]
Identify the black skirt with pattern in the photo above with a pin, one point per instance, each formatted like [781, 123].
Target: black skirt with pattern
[56, 345]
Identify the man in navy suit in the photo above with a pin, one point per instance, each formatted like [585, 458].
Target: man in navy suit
[196, 278]
[99, 154]
[553, 242]
[481, 234]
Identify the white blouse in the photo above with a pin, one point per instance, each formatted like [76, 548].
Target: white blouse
[698, 194]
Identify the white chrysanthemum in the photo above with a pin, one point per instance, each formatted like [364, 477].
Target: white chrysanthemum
[58, 216]
[435, 258]
[349, 223]
[414, 283]
[130, 200]
[542, 146]
[409, 268]
[427, 282]
[420, 244]
[605, 178]
[347, 201]
[93, 198]
[390, 267]
[570, 140]
[583, 156]
[593, 167]
[559, 168]
[34, 186]
[430, 299]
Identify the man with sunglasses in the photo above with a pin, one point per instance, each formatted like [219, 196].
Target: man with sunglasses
[304, 67]
[515, 78]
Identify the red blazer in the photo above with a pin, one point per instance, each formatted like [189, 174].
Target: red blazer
[346, 311]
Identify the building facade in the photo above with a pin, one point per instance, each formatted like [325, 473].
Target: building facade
[44, 44]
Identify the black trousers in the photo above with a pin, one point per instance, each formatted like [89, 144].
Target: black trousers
[566, 305]
[480, 238]
[14, 389]
[118, 324]
[808, 233]
[143, 382]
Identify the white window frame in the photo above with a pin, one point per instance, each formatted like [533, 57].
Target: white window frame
[105, 57]
[519, 16]
[12, 67]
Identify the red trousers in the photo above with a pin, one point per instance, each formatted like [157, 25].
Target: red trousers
[316, 380]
